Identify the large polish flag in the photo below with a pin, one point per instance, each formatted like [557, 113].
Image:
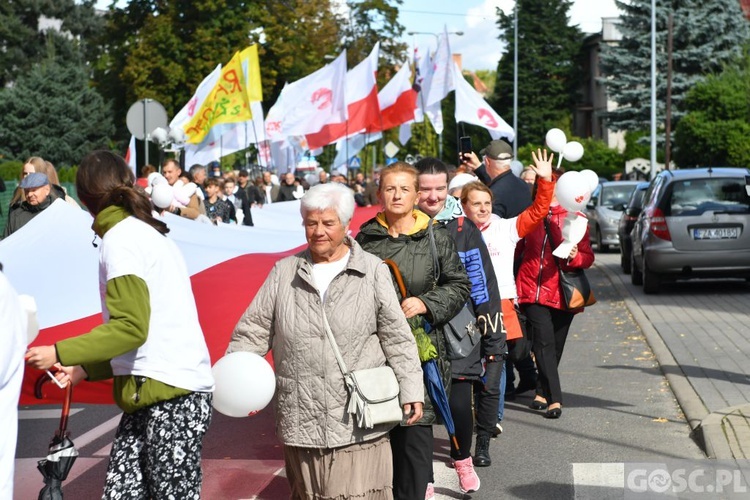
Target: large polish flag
[362, 104]
[472, 108]
[315, 100]
[227, 264]
[398, 101]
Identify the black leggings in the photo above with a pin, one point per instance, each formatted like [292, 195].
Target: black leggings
[549, 330]
[462, 408]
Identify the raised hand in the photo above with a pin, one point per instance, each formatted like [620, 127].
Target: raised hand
[542, 163]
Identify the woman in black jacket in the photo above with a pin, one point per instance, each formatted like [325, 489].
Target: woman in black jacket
[485, 305]
[401, 233]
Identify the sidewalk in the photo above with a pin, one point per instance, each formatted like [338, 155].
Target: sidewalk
[700, 335]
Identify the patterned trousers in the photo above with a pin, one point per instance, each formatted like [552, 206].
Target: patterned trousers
[156, 453]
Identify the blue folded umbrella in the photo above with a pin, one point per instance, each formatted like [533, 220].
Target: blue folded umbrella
[436, 390]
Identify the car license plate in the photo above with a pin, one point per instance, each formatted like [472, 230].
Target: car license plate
[717, 233]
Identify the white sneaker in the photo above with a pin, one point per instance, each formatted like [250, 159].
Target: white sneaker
[498, 430]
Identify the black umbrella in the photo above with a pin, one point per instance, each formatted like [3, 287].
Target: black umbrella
[62, 452]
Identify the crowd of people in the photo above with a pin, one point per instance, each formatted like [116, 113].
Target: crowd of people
[446, 238]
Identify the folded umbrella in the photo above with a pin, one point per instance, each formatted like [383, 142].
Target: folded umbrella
[62, 452]
[427, 354]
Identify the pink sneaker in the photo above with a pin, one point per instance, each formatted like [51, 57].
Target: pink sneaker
[468, 480]
[430, 493]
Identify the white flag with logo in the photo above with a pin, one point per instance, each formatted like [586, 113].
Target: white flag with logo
[472, 108]
[317, 99]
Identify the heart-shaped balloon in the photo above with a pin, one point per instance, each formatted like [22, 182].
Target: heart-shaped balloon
[572, 191]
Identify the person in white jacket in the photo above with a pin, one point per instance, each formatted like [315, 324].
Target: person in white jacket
[12, 348]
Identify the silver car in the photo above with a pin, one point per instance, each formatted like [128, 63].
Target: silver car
[604, 209]
[695, 224]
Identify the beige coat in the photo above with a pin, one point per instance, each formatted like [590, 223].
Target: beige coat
[370, 329]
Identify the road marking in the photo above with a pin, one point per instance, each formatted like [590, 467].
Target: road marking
[40, 414]
[598, 481]
[97, 432]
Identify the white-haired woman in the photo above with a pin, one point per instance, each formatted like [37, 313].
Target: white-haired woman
[326, 454]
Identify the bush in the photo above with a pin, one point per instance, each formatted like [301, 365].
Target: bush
[11, 170]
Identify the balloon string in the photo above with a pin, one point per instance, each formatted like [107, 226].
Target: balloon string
[559, 160]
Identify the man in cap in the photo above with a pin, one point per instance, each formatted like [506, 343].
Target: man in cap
[510, 194]
[39, 196]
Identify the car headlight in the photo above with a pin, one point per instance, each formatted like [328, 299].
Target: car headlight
[613, 221]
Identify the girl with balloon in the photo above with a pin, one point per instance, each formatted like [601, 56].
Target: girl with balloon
[561, 242]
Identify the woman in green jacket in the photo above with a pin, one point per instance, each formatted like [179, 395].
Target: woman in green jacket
[151, 342]
[401, 233]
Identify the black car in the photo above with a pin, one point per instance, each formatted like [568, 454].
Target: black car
[627, 221]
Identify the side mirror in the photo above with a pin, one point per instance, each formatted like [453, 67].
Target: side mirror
[620, 207]
[591, 205]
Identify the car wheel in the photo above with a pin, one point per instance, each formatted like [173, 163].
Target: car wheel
[636, 277]
[601, 246]
[650, 280]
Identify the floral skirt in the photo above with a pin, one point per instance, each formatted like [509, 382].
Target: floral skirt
[361, 470]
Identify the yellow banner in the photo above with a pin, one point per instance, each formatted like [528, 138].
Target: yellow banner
[251, 68]
[227, 102]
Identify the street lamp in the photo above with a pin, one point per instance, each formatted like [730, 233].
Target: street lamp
[436, 35]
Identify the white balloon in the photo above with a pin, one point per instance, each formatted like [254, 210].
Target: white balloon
[245, 384]
[155, 178]
[572, 191]
[162, 195]
[573, 151]
[592, 178]
[516, 167]
[556, 140]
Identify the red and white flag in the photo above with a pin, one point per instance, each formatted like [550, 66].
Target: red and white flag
[315, 100]
[130, 156]
[362, 104]
[398, 101]
[472, 108]
[227, 264]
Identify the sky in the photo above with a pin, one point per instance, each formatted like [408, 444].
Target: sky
[479, 46]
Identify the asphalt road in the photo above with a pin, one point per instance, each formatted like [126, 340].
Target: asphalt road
[618, 409]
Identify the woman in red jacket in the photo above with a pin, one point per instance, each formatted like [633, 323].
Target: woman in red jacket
[539, 295]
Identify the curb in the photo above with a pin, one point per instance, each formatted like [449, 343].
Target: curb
[707, 428]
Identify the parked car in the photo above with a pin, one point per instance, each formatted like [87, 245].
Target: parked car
[695, 224]
[604, 209]
[627, 221]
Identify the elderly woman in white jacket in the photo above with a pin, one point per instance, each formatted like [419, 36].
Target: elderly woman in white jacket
[326, 454]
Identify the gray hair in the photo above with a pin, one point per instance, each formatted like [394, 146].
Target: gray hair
[326, 196]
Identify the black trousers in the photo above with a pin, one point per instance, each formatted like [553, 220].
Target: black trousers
[488, 398]
[411, 447]
[549, 330]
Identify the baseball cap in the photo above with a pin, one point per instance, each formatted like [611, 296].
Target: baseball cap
[498, 150]
[34, 180]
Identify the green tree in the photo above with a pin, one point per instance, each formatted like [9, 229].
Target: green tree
[716, 125]
[706, 35]
[547, 71]
[372, 21]
[22, 43]
[52, 112]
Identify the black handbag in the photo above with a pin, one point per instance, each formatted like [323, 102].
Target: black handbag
[575, 289]
[461, 334]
